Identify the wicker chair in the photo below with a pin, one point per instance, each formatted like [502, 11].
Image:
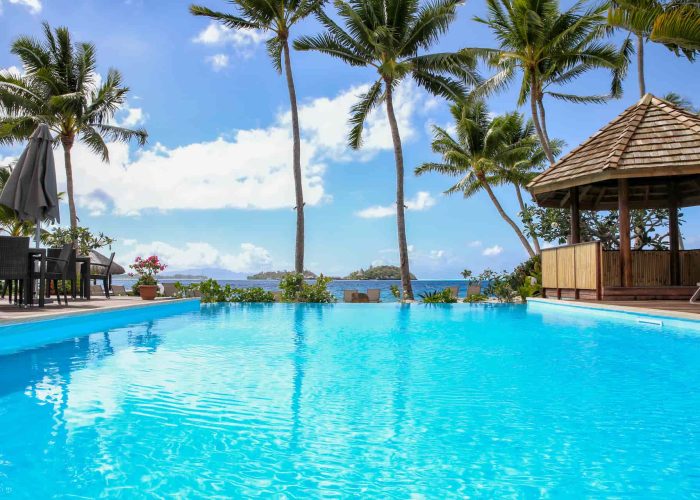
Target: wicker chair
[71, 270]
[454, 291]
[57, 268]
[373, 295]
[14, 266]
[348, 295]
[102, 272]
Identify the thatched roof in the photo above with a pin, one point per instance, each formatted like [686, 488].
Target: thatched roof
[652, 143]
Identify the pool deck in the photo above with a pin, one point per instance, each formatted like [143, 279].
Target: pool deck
[10, 313]
[680, 309]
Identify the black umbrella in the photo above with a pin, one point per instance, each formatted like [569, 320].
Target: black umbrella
[31, 189]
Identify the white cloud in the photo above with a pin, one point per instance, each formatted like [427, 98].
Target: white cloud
[325, 121]
[34, 6]
[437, 254]
[422, 201]
[475, 243]
[218, 61]
[251, 170]
[492, 251]
[193, 255]
[133, 117]
[216, 34]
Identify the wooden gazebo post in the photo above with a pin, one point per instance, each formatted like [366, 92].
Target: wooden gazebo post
[623, 208]
[575, 216]
[673, 234]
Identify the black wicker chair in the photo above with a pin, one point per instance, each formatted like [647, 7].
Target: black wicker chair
[102, 272]
[14, 266]
[57, 269]
[71, 270]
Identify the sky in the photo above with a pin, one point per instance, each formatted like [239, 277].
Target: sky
[213, 188]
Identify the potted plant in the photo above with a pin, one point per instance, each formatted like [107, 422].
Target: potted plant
[147, 269]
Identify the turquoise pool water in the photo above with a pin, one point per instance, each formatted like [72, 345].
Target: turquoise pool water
[352, 400]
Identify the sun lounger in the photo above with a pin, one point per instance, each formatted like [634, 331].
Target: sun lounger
[348, 295]
[277, 295]
[118, 290]
[373, 294]
[696, 295]
[96, 290]
[454, 290]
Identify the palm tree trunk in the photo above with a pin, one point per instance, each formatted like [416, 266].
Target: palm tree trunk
[67, 141]
[535, 240]
[505, 216]
[543, 120]
[640, 65]
[298, 190]
[400, 216]
[535, 119]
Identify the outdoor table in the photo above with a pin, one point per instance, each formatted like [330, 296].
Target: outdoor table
[84, 262]
[34, 255]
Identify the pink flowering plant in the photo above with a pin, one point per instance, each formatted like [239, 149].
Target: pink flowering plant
[146, 270]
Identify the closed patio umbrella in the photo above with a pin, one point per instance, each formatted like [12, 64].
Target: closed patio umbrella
[31, 189]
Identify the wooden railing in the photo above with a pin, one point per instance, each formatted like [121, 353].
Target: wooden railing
[652, 268]
[572, 270]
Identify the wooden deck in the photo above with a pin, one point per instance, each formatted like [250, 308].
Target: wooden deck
[669, 308]
[10, 313]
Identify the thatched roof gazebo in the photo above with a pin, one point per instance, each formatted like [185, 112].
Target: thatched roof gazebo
[647, 157]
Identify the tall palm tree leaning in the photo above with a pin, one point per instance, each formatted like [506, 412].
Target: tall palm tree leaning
[276, 17]
[651, 18]
[389, 35]
[476, 154]
[60, 88]
[521, 160]
[548, 48]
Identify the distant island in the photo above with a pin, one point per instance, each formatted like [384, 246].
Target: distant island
[278, 275]
[377, 273]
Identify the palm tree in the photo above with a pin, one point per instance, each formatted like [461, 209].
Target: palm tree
[276, 17]
[476, 155]
[676, 24]
[391, 36]
[521, 160]
[60, 88]
[548, 48]
[646, 19]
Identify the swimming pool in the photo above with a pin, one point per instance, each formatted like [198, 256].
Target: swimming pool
[363, 400]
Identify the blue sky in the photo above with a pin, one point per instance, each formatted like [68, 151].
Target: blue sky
[213, 188]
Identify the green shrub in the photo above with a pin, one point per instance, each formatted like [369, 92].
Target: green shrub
[295, 289]
[211, 291]
[395, 291]
[256, 294]
[442, 297]
[478, 297]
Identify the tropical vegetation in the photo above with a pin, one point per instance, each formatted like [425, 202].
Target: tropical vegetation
[82, 238]
[548, 48]
[674, 23]
[391, 37]
[296, 289]
[60, 87]
[486, 151]
[211, 291]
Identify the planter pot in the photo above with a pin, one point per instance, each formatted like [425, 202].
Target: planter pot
[148, 292]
